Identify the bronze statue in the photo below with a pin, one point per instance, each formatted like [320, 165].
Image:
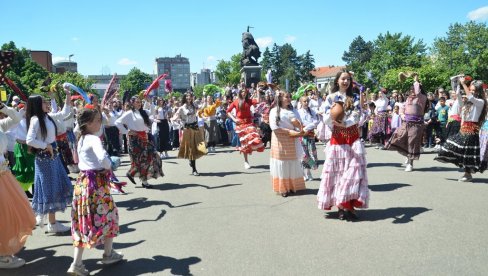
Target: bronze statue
[250, 52]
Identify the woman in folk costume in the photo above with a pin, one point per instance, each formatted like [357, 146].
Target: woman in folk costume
[310, 121]
[377, 133]
[344, 181]
[94, 215]
[207, 112]
[455, 104]
[52, 187]
[286, 150]
[16, 216]
[407, 139]
[162, 115]
[191, 136]
[249, 137]
[145, 161]
[463, 149]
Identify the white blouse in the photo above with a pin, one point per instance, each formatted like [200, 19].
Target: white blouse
[476, 109]
[351, 117]
[187, 115]
[92, 155]
[133, 120]
[34, 137]
[286, 116]
[309, 120]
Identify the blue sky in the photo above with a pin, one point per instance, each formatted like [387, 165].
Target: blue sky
[109, 37]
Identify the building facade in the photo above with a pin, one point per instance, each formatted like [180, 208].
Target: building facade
[324, 76]
[43, 58]
[178, 70]
[101, 82]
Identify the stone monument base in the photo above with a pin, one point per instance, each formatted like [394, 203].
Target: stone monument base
[251, 74]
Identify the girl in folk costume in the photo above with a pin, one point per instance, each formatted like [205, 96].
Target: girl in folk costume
[377, 133]
[463, 149]
[248, 135]
[310, 121]
[163, 113]
[286, 151]
[145, 161]
[407, 139]
[191, 137]
[344, 179]
[207, 112]
[52, 187]
[455, 104]
[94, 215]
[16, 217]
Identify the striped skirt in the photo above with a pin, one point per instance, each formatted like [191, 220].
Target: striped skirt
[94, 215]
[463, 149]
[344, 178]
[53, 190]
[249, 138]
[285, 168]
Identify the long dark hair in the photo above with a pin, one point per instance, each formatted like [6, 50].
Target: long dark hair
[34, 108]
[278, 103]
[480, 94]
[242, 99]
[349, 104]
[141, 110]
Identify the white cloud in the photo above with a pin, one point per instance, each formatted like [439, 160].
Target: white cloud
[126, 61]
[58, 59]
[210, 58]
[264, 42]
[479, 14]
[290, 38]
[75, 39]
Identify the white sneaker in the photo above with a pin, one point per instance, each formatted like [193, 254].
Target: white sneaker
[247, 166]
[405, 163]
[9, 262]
[57, 228]
[40, 221]
[78, 270]
[409, 168]
[113, 258]
[421, 150]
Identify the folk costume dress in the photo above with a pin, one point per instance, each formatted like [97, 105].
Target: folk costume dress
[249, 137]
[286, 152]
[463, 149]
[310, 121]
[192, 136]
[344, 178]
[16, 216]
[407, 139]
[377, 133]
[52, 188]
[94, 215]
[454, 113]
[212, 130]
[145, 161]
[162, 116]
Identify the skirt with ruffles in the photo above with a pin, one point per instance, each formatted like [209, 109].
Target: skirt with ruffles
[53, 190]
[16, 216]
[249, 138]
[24, 166]
[145, 161]
[285, 163]
[344, 178]
[94, 215]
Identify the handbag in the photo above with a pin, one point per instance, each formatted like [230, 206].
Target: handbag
[201, 148]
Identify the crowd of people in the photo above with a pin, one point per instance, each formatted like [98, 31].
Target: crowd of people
[38, 138]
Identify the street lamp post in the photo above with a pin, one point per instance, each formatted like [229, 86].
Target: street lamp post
[69, 62]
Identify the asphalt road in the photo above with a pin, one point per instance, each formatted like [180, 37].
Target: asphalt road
[228, 221]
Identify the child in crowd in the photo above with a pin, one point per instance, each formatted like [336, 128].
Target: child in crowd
[442, 117]
[396, 119]
[94, 216]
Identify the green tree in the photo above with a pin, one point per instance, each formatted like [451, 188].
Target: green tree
[198, 91]
[463, 50]
[358, 56]
[229, 72]
[33, 75]
[306, 63]
[134, 82]
[430, 75]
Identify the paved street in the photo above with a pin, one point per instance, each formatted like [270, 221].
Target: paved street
[228, 221]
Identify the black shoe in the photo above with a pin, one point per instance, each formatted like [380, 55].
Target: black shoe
[352, 215]
[130, 178]
[147, 186]
[341, 214]
[29, 194]
[284, 194]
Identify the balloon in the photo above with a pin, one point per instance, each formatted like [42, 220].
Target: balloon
[78, 90]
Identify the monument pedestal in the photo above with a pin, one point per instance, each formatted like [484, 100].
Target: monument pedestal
[251, 74]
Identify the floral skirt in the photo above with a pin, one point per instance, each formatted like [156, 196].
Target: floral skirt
[249, 138]
[145, 161]
[344, 178]
[378, 129]
[24, 166]
[94, 215]
[309, 158]
[64, 149]
[16, 217]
